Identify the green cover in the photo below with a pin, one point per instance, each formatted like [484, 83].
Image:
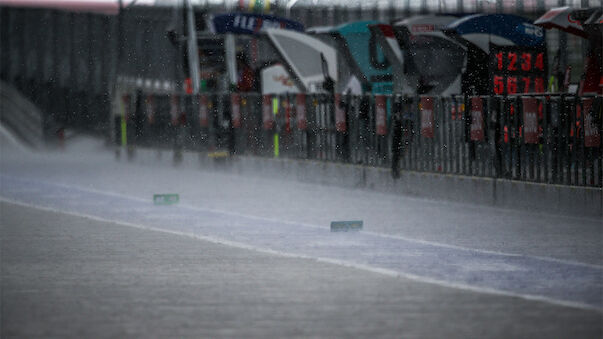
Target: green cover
[344, 226]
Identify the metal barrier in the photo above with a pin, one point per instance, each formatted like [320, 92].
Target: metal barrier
[68, 66]
[542, 138]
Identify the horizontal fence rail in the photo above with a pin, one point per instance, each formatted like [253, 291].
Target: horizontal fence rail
[553, 139]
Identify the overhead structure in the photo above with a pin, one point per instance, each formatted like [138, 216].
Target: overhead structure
[250, 23]
[426, 61]
[362, 64]
[482, 30]
[451, 54]
[588, 24]
[306, 57]
[506, 54]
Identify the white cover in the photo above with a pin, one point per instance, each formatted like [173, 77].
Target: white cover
[276, 80]
[302, 53]
[560, 18]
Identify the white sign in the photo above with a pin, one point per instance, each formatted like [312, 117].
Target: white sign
[276, 80]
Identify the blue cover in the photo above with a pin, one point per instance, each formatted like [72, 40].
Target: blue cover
[519, 30]
[250, 23]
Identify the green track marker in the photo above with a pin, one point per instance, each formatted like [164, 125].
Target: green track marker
[124, 137]
[166, 199]
[345, 226]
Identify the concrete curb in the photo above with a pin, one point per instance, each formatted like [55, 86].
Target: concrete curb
[556, 199]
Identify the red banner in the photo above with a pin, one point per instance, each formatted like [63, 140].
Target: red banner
[203, 111]
[267, 117]
[592, 135]
[339, 114]
[530, 120]
[235, 106]
[380, 114]
[477, 119]
[150, 109]
[287, 106]
[300, 111]
[126, 99]
[453, 111]
[174, 108]
[427, 117]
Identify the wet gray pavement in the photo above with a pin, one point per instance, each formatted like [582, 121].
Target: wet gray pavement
[71, 276]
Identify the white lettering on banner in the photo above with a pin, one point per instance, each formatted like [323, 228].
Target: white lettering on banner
[203, 112]
[423, 28]
[236, 110]
[531, 123]
[530, 29]
[589, 126]
[267, 112]
[476, 123]
[301, 111]
[249, 23]
[380, 112]
[339, 115]
[380, 115]
[530, 120]
[174, 108]
[426, 118]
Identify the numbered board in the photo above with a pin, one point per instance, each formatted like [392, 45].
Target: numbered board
[517, 70]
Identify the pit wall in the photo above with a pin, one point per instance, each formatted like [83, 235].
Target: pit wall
[535, 197]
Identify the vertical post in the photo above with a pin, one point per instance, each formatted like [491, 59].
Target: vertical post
[116, 59]
[546, 107]
[517, 139]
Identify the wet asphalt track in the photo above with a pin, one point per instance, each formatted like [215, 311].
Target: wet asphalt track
[69, 276]
[84, 255]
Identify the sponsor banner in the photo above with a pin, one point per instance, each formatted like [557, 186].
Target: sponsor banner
[339, 114]
[427, 120]
[250, 23]
[203, 111]
[300, 111]
[380, 114]
[592, 135]
[530, 120]
[456, 110]
[235, 106]
[174, 108]
[126, 106]
[267, 116]
[150, 108]
[477, 119]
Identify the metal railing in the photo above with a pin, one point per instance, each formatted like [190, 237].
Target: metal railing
[541, 138]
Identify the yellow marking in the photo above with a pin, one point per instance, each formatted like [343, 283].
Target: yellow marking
[124, 137]
[276, 150]
[218, 154]
[275, 106]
